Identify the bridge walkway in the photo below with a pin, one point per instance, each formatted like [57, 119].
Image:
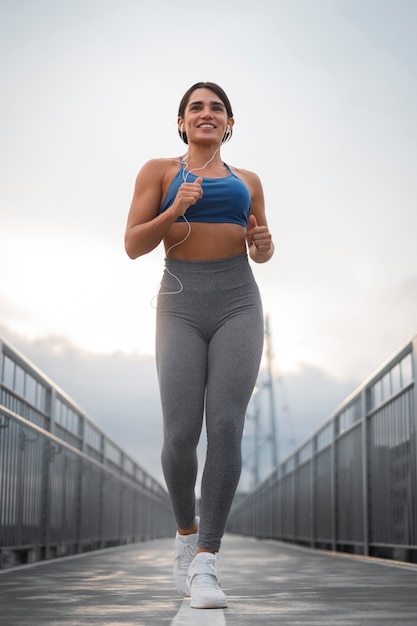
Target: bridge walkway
[266, 583]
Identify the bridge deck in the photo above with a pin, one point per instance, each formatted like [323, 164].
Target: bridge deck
[266, 583]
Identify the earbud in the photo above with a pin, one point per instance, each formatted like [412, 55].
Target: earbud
[227, 134]
[182, 133]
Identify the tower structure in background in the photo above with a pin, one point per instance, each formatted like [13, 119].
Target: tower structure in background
[262, 428]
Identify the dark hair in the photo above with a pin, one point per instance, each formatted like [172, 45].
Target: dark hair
[203, 85]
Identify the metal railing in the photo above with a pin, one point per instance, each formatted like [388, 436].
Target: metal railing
[65, 487]
[352, 486]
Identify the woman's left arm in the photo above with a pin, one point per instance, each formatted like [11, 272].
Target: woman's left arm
[260, 244]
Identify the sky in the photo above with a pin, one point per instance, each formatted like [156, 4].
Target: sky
[324, 95]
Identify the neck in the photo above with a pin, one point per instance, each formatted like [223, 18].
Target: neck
[198, 156]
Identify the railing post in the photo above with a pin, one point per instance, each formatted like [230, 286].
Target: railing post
[79, 514]
[312, 500]
[365, 471]
[334, 485]
[48, 455]
[413, 428]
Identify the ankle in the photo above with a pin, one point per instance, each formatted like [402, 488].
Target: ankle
[199, 550]
[189, 531]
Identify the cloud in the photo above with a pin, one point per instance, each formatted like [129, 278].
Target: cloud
[376, 327]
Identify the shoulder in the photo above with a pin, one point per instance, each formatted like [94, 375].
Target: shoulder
[251, 179]
[156, 174]
[158, 168]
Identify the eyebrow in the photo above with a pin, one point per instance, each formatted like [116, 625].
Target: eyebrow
[213, 102]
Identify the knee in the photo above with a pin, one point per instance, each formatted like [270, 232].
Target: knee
[227, 434]
[181, 442]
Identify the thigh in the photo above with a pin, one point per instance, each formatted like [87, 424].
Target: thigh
[181, 359]
[234, 357]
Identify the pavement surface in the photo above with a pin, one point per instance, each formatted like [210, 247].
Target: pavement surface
[266, 583]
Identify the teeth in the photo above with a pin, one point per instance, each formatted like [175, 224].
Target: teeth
[206, 126]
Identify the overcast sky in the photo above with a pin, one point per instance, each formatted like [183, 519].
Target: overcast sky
[324, 94]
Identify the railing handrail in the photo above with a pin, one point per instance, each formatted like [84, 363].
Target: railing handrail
[30, 368]
[388, 364]
[351, 485]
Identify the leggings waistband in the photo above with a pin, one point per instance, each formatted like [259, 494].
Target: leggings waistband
[225, 273]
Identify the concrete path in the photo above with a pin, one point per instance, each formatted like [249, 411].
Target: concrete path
[266, 583]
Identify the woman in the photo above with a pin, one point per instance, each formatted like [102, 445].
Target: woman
[209, 333]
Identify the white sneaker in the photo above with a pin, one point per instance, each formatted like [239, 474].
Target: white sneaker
[185, 549]
[204, 583]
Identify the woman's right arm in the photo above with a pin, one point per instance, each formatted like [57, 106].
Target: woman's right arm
[146, 229]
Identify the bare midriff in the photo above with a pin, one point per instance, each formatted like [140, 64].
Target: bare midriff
[206, 242]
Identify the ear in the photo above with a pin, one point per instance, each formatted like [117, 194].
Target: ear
[231, 121]
[181, 130]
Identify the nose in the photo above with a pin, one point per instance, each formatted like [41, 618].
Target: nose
[206, 112]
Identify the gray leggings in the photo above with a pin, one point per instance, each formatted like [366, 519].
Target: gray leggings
[209, 340]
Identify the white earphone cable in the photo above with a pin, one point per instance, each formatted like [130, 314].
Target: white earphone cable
[185, 174]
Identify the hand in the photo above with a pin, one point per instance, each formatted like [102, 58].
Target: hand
[259, 240]
[187, 194]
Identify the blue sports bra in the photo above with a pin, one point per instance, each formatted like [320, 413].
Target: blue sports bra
[225, 200]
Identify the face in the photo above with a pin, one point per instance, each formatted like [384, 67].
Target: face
[205, 117]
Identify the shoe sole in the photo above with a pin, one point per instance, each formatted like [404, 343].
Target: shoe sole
[182, 588]
[208, 605]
